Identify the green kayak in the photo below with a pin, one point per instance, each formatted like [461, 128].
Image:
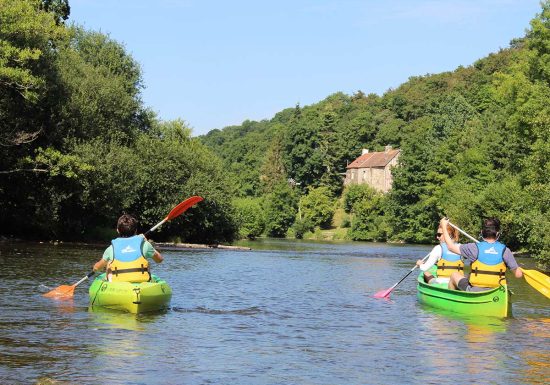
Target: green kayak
[494, 302]
[133, 297]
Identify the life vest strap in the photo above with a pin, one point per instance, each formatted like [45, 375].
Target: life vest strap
[444, 267]
[501, 273]
[141, 270]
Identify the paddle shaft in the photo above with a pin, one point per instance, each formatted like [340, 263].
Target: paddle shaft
[90, 274]
[409, 273]
[464, 232]
[155, 227]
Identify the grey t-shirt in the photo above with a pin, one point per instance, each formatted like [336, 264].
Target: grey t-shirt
[469, 252]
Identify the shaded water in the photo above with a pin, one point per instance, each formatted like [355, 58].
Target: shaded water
[287, 312]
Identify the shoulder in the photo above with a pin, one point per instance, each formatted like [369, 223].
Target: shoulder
[147, 248]
[468, 249]
[108, 253]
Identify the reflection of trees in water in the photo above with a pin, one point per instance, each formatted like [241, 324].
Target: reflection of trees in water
[536, 352]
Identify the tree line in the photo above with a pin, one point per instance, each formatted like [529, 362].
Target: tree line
[78, 147]
[474, 143]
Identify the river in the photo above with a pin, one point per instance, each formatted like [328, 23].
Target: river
[287, 312]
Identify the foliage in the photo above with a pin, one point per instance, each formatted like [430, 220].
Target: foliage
[250, 217]
[474, 143]
[280, 207]
[317, 208]
[78, 148]
[366, 208]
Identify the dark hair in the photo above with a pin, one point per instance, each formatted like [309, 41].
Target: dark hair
[127, 225]
[490, 228]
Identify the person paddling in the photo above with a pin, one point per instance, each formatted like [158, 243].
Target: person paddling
[446, 262]
[126, 259]
[489, 259]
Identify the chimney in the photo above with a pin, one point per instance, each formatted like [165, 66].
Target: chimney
[365, 151]
[387, 148]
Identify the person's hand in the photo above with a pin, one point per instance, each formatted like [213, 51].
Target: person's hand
[444, 222]
[419, 262]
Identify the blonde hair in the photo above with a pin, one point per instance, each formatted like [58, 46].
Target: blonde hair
[453, 233]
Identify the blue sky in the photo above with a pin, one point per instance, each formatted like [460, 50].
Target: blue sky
[218, 63]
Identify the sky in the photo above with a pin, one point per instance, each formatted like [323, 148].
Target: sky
[218, 63]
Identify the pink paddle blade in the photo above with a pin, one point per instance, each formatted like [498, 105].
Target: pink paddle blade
[383, 293]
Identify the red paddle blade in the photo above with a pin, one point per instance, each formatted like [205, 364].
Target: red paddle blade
[383, 293]
[63, 291]
[183, 206]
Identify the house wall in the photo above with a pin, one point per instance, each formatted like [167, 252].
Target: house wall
[379, 178]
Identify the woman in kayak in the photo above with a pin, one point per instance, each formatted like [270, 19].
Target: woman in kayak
[441, 261]
[127, 258]
[489, 259]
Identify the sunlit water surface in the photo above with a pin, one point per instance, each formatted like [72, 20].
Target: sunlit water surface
[286, 312]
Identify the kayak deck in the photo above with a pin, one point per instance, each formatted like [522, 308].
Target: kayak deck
[132, 297]
[494, 302]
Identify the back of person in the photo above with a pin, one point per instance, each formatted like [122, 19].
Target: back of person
[129, 264]
[126, 259]
[489, 269]
[449, 262]
[488, 259]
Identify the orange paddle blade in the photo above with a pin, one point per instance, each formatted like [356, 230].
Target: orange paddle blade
[63, 291]
[183, 206]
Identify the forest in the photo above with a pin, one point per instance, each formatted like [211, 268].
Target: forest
[79, 147]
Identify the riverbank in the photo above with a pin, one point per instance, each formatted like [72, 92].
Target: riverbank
[179, 246]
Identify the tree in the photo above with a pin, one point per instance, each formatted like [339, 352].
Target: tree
[280, 210]
[249, 217]
[317, 207]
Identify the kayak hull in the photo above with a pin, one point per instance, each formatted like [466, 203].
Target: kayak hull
[493, 303]
[132, 297]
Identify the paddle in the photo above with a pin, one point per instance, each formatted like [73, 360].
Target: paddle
[539, 281]
[386, 293]
[67, 291]
[177, 211]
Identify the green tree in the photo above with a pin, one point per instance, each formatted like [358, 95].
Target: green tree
[249, 217]
[318, 207]
[280, 207]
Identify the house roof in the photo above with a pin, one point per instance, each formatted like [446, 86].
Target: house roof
[374, 159]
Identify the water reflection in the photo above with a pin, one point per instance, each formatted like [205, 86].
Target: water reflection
[536, 356]
[300, 314]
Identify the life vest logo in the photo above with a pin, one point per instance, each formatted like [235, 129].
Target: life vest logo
[491, 251]
[127, 249]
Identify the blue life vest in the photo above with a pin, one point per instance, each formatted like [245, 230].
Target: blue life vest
[129, 264]
[127, 249]
[448, 262]
[489, 270]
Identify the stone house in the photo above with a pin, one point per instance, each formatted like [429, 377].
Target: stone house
[373, 168]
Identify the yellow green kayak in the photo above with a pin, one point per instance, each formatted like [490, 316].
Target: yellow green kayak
[132, 297]
[494, 302]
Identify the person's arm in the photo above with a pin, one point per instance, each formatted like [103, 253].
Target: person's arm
[447, 238]
[100, 265]
[107, 256]
[157, 257]
[435, 254]
[511, 263]
[150, 252]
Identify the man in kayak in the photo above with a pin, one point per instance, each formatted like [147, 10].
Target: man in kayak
[489, 259]
[126, 259]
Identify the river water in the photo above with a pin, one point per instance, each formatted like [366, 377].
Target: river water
[287, 312]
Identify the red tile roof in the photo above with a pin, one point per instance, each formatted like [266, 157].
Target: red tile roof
[374, 159]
